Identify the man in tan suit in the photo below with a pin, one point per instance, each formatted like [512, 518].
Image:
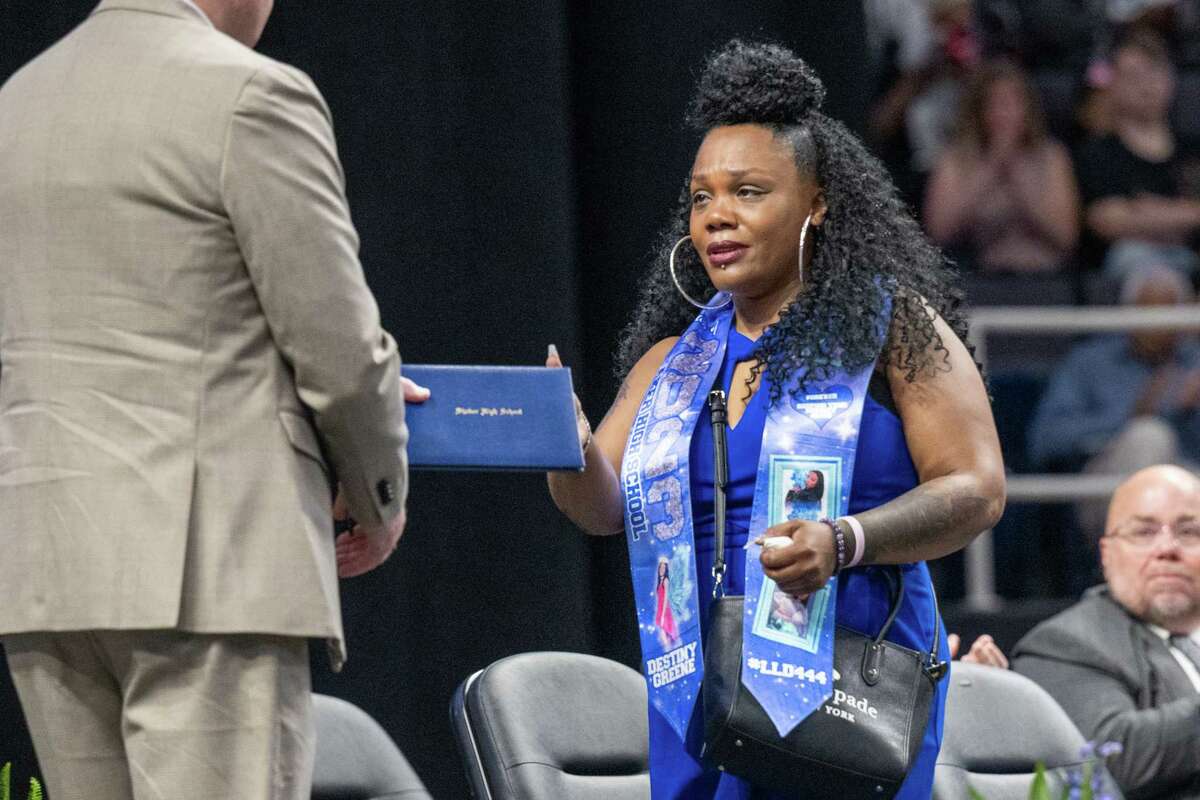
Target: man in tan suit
[189, 355]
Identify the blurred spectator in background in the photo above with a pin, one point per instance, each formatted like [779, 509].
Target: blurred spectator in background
[1070, 34]
[1176, 21]
[1004, 191]
[920, 50]
[1120, 403]
[1124, 662]
[1159, 14]
[931, 116]
[1132, 179]
[900, 45]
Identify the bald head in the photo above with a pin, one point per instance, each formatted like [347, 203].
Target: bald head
[244, 20]
[1151, 570]
[1153, 487]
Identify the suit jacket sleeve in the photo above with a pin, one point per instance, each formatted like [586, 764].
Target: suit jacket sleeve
[283, 189]
[1161, 744]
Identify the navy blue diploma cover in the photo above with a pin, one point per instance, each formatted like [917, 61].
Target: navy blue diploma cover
[492, 418]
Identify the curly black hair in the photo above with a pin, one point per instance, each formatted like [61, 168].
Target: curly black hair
[868, 248]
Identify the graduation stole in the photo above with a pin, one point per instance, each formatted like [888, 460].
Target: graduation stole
[805, 469]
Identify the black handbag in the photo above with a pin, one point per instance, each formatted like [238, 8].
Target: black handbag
[861, 742]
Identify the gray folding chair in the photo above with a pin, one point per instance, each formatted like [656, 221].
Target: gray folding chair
[550, 726]
[356, 759]
[998, 726]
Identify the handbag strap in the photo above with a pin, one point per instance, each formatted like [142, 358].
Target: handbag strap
[934, 667]
[719, 414]
[895, 578]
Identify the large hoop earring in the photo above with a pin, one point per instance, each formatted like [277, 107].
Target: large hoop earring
[803, 236]
[686, 296]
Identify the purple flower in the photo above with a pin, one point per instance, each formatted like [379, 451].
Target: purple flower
[1088, 750]
[1109, 749]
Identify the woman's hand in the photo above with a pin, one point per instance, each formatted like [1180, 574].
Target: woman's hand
[593, 498]
[413, 393]
[805, 565]
[582, 426]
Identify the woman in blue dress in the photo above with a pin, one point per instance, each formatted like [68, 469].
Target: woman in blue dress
[790, 217]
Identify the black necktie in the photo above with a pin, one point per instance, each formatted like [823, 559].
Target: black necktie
[1188, 646]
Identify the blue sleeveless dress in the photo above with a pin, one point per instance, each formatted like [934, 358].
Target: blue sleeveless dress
[883, 471]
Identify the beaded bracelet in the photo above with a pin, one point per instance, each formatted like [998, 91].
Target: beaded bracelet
[839, 541]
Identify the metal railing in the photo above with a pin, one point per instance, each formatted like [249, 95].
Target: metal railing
[1050, 488]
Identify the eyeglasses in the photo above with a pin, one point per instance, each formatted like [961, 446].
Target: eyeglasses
[1143, 535]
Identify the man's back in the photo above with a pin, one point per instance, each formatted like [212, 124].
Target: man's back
[173, 213]
[186, 337]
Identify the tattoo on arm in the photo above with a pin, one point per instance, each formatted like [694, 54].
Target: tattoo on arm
[929, 521]
[622, 393]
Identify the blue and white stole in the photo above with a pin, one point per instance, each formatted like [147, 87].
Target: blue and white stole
[804, 472]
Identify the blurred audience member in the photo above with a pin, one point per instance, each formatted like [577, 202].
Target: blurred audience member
[1124, 662]
[1004, 191]
[1123, 402]
[931, 115]
[901, 47]
[1170, 19]
[984, 650]
[1132, 179]
[1069, 34]
[1156, 13]
[920, 50]
[1177, 21]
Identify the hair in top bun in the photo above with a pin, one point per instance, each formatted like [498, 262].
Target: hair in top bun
[755, 82]
[868, 249]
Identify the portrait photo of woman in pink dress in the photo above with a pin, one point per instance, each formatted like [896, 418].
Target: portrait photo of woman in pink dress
[664, 619]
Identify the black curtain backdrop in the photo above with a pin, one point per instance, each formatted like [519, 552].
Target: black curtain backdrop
[508, 166]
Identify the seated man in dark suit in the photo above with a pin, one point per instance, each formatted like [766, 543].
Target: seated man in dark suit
[1124, 662]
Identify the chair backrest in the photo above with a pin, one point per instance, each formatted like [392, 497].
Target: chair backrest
[546, 726]
[998, 726]
[356, 759]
